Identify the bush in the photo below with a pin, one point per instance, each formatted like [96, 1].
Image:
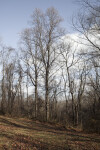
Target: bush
[92, 126]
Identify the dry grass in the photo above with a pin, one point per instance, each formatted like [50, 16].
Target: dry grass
[25, 134]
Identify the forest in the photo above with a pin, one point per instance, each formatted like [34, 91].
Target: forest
[54, 76]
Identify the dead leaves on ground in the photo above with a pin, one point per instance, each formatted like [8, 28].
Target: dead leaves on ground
[24, 134]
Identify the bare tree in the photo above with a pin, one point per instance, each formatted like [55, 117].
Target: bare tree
[3, 101]
[8, 79]
[31, 61]
[47, 33]
[81, 89]
[69, 61]
[88, 24]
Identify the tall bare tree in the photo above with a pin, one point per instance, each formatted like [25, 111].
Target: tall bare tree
[69, 61]
[31, 61]
[46, 27]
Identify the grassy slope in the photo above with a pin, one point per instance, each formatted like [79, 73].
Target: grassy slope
[24, 134]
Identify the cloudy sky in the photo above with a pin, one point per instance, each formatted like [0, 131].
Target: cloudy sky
[15, 14]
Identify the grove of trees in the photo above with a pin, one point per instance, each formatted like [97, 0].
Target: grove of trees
[53, 76]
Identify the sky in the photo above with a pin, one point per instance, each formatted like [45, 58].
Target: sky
[15, 15]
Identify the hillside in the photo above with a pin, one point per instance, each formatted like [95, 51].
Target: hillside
[25, 134]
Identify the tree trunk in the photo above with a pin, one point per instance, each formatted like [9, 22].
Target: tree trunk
[47, 97]
[73, 110]
[36, 96]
